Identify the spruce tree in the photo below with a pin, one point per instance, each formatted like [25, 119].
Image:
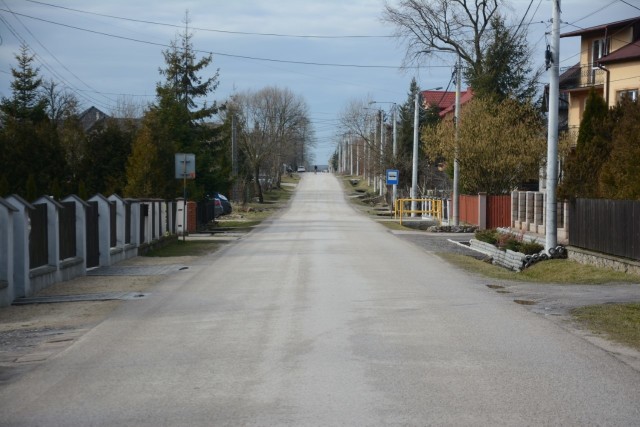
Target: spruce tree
[176, 121]
[583, 166]
[29, 144]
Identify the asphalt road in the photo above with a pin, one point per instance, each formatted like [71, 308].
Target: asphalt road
[322, 317]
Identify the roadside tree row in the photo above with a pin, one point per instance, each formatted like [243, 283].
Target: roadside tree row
[44, 148]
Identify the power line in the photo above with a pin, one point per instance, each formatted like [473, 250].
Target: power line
[253, 58]
[244, 33]
[629, 4]
[54, 57]
[44, 63]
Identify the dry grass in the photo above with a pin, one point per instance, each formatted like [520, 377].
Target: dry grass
[618, 322]
[179, 248]
[552, 271]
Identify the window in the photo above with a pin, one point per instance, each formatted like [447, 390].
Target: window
[631, 94]
[599, 48]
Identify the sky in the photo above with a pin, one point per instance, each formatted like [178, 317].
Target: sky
[329, 52]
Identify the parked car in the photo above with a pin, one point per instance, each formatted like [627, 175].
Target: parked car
[212, 206]
[222, 203]
[301, 169]
[226, 204]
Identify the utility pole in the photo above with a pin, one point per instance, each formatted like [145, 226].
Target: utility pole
[414, 169]
[358, 157]
[394, 194]
[234, 157]
[456, 165]
[350, 156]
[382, 180]
[551, 239]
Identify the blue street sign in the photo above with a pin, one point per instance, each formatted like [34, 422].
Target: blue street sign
[392, 176]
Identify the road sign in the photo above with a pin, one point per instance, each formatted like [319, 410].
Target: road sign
[185, 166]
[392, 176]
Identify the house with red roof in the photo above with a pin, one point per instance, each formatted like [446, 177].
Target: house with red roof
[609, 63]
[445, 100]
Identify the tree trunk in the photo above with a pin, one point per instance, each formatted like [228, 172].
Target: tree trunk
[258, 185]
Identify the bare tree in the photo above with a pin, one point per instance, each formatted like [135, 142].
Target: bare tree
[496, 56]
[360, 122]
[61, 104]
[432, 26]
[271, 121]
[128, 108]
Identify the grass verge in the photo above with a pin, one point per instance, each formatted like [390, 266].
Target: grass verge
[552, 271]
[185, 248]
[253, 213]
[619, 322]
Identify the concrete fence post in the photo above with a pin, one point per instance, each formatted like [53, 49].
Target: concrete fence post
[21, 230]
[482, 211]
[7, 291]
[104, 224]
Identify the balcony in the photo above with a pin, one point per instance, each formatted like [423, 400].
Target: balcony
[581, 76]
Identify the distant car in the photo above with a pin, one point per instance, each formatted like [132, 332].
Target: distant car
[301, 169]
[223, 202]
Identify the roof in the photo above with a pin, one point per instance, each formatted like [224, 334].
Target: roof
[438, 98]
[91, 116]
[445, 100]
[611, 26]
[629, 52]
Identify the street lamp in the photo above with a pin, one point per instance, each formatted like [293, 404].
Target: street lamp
[456, 165]
[414, 170]
[393, 109]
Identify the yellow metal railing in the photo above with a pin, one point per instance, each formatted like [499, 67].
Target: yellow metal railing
[432, 207]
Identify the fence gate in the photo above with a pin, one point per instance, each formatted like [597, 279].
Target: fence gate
[93, 236]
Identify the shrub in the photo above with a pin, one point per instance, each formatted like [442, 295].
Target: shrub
[530, 248]
[487, 236]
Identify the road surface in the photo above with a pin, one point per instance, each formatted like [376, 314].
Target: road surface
[322, 317]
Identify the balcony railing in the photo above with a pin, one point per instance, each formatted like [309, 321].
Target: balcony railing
[581, 76]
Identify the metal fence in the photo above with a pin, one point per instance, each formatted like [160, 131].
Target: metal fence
[127, 223]
[67, 218]
[38, 237]
[606, 226]
[113, 231]
[93, 235]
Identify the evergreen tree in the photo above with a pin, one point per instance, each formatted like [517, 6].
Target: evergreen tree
[426, 117]
[176, 123]
[506, 70]
[620, 175]
[29, 144]
[143, 174]
[108, 147]
[582, 169]
[26, 103]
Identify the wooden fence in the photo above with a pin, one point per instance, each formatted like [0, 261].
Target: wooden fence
[606, 226]
[468, 209]
[497, 212]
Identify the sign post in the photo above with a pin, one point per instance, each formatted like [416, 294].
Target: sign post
[185, 169]
[393, 177]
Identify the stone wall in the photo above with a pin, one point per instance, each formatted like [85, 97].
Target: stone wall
[602, 260]
[507, 259]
